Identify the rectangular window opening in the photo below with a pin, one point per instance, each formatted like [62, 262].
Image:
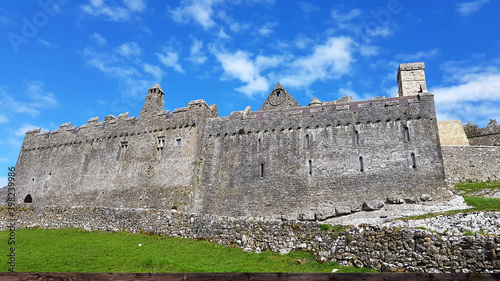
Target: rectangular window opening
[178, 142]
[356, 138]
[261, 170]
[310, 168]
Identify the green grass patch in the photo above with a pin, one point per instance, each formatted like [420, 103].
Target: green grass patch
[325, 226]
[471, 187]
[76, 250]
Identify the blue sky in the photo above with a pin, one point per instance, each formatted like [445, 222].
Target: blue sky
[67, 62]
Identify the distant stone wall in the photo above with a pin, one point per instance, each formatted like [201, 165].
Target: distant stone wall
[471, 163]
[386, 249]
[488, 136]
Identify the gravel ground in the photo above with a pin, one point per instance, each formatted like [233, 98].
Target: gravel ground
[486, 222]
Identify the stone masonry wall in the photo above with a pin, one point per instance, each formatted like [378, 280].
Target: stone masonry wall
[386, 249]
[314, 157]
[471, 163]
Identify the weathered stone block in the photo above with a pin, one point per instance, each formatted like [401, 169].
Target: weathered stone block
[373, 205]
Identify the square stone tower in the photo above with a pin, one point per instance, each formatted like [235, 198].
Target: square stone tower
[411, 79]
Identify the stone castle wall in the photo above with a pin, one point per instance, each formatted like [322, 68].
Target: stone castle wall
[386, 249]
[471, 163]
[250, 163]
[283, 159]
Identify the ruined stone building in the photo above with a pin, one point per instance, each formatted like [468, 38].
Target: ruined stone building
[283, 158]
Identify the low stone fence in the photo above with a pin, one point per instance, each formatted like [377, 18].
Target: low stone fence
[385, 249]
[471, 163]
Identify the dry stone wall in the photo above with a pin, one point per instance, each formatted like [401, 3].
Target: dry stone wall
[386, 249]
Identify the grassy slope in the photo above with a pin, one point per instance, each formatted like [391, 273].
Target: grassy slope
[75, 250]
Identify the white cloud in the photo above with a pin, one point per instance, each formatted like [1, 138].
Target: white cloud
[170, 59]
[197, 56]
[135, 5]
[109, 64]
[3, 119]
[154, 70]
[328, 61]
[468, 8]
[417, 56]
[307, 7]
[101, 41]
[199, 11]
[267, 29]
[302, 42]
[382, 30]
[129, 49]
[476, 97]
[239, 65]
[223, 35]
[113, 13]
[342, 17]
[368, 51]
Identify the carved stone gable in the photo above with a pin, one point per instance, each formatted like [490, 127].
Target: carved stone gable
[279, 99]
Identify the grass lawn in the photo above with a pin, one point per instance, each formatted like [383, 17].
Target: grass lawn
[76, 250]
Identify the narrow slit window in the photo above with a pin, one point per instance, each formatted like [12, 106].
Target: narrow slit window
[310, 168]
[123, 149]
[413, 161]
[356, 138]
[259, 145]
[160, 146]
[361, 165]
[406, 134]
[307, 141]
[261, 170]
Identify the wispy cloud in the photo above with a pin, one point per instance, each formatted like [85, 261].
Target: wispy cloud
[155, 71]
[113, 13]
[197, 56]
[129, 49]
[101, 41]
[417, 56]
[170, 59]
[199, 11]
[468, 8]
[267, 28]
[3, 119]
[307, 7]
[39, 98]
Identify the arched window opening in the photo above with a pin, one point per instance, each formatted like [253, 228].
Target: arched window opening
[406, 134]
[307, 141]
[28, 199]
